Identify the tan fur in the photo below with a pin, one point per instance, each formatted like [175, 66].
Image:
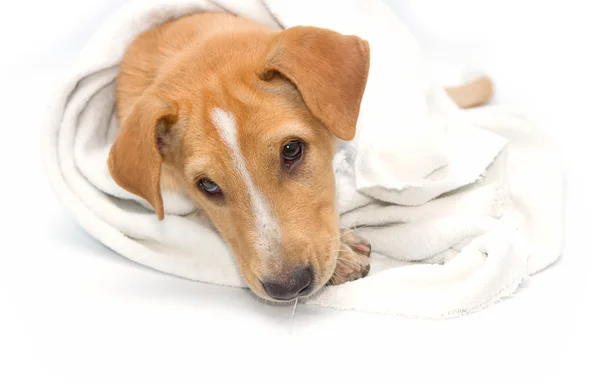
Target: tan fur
[303, 83]
[172, 78]
[475, 93]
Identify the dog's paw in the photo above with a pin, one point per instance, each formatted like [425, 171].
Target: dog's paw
[353, 258]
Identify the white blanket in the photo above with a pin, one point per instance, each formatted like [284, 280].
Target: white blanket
[460, 205]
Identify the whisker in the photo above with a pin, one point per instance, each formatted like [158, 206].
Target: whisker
[346, 231]
[293, 316]
[345, 251]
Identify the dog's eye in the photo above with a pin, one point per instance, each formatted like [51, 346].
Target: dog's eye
[291, 153]
[209, 186]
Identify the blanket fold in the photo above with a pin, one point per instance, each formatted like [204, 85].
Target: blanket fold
[459, 205]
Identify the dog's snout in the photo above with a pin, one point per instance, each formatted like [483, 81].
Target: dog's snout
[289, 286]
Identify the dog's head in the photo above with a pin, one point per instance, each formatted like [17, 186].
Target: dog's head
[246, 125]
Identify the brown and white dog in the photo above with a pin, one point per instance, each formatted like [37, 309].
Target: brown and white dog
[243, 120]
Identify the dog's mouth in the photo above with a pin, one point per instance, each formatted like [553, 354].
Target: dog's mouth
[299, 283]
[295, 284]
[347, 260]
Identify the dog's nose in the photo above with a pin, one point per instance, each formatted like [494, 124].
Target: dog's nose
[291, 286]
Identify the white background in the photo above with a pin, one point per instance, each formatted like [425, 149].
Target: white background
[71, 311]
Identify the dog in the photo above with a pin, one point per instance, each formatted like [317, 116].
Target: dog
[243, 121]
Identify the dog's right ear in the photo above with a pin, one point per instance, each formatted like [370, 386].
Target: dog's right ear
[135, 159]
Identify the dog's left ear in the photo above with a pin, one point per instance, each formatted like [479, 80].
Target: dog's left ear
[329, 69]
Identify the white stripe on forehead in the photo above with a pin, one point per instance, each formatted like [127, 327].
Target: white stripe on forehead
[266, 225]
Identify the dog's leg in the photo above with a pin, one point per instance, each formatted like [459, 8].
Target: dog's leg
[353, 259]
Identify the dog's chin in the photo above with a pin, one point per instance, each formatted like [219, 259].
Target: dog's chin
[269, 300]
[326, 273]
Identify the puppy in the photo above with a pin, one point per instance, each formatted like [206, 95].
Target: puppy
[243, 121]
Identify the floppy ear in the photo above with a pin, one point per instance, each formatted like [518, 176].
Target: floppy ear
[135, 160]
[329, 69]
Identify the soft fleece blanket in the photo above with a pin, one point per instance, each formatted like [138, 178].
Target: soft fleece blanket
[459, 205]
